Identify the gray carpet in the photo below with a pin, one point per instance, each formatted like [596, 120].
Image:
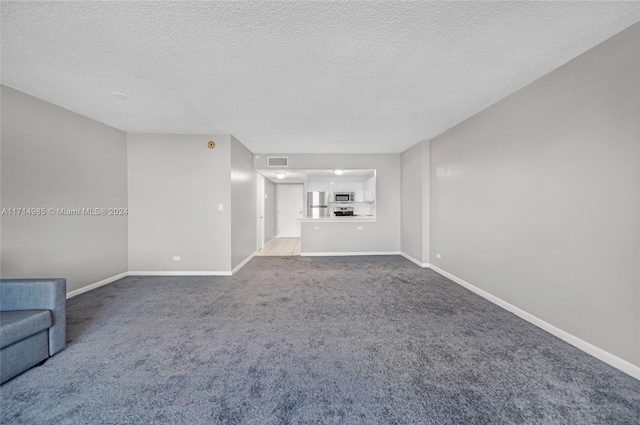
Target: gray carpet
[311, 340]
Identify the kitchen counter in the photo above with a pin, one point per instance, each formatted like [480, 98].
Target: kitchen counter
[335, 219]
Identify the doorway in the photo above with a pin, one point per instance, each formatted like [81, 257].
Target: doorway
[281, 247]
[289, 210]
[260, 212]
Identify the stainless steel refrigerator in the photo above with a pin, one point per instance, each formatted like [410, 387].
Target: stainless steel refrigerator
[317, 204]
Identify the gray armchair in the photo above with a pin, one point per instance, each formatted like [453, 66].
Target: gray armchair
[32, 323]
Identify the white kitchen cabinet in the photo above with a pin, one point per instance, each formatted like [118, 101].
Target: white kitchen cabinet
[369, 189]
[359, 191]
[319, 186]
[364, 188]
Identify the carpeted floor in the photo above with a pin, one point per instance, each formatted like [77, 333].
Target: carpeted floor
[311, 340]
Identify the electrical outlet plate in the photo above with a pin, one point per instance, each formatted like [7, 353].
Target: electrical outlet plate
[176, 258]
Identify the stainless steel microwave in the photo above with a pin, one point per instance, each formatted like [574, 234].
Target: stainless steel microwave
[341, 197]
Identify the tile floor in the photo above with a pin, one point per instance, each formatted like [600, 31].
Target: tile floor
[281, 247]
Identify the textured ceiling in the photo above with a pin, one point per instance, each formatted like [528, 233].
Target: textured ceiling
[298, 77]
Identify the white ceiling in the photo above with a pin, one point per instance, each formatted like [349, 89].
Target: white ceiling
[364, 173]
[294, 77]
[291, 176]
[301, 176]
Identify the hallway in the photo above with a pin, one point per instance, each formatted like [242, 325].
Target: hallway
[281, 247]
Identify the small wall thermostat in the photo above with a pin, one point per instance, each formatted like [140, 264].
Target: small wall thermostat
[211, 144]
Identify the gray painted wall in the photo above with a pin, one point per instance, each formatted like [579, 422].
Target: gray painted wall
[175, 186]
[269, 210]
[536, 199]
[243, 203]
[54, 158]
[415, 201]
[426, 201]
[381, 236]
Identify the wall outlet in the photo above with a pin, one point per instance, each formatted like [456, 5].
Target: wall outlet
[176, 258]
[316, 227]
[438, 256]
[359, 227]
[220, 207]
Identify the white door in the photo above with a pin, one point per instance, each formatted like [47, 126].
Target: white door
[260, 212]
[289, 210]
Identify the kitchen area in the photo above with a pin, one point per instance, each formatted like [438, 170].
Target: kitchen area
[317, 196]
[314, 196]
[337, 204]
[340, 194]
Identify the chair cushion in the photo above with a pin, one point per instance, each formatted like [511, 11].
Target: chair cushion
[16, 325]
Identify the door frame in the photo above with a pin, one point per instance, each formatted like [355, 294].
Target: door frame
[260, 225]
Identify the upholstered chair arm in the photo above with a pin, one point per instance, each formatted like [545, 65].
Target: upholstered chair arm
[39, 294]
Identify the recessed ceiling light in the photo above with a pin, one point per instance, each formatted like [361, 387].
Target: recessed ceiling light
[338, 172]
[280, 174]
[120, 95]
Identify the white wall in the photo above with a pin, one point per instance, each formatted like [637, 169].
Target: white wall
[269, 210]
[415, 202]
[536, 199]
[381, 236]
[175, 186]
[54, 158]
[243, 203]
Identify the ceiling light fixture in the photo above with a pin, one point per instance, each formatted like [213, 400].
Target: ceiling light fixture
[338, 172]
[280, 174]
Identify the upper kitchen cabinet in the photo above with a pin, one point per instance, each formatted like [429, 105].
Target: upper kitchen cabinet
[369, 190]
[362, 183]
[317, 186]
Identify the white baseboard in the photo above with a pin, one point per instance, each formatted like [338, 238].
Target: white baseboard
[588, 348]
[413, 260]
[179, 273]
[193, 273]
[342, 254]
[153, 273]
[246, 260]
[96, 285]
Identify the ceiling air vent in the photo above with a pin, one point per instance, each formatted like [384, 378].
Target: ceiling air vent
[278, 161]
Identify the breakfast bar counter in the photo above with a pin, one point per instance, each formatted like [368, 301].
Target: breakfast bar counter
[337, 219]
